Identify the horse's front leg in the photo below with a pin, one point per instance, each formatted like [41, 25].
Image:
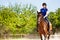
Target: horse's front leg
[41, 37]
[45, 36]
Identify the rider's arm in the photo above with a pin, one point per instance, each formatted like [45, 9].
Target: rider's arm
[46, 14]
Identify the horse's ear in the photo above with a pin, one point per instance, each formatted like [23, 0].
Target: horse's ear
[37, 11]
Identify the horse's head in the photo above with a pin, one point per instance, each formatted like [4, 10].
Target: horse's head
[39, 14]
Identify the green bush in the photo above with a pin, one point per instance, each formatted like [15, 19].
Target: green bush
[18, 19]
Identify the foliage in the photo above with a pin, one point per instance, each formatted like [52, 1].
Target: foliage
[54, 17]
[17, 19]
[20, 19]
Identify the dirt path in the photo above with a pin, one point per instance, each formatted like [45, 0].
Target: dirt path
[34, 37]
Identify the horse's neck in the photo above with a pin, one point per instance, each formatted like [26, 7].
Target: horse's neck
[43, 21]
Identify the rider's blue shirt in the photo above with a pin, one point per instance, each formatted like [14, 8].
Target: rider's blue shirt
[43, 10]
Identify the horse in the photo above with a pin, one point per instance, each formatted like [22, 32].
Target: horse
[42, 26]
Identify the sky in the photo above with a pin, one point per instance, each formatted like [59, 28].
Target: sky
[52, 5]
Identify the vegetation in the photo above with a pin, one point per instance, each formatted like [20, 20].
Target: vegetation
[20, 19]
[17, 19]
[54, 17]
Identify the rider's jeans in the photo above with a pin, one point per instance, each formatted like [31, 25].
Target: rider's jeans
[46, 18]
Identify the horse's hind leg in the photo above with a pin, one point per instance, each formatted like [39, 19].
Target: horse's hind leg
[48, 36]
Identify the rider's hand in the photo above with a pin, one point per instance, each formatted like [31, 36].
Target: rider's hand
[44, 16]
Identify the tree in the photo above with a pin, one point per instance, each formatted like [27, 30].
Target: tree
[16, 20]
[55, 18]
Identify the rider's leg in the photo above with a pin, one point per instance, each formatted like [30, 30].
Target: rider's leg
[47, 20]
[48, 23]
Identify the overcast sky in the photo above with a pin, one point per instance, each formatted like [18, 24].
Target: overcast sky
[51, 4]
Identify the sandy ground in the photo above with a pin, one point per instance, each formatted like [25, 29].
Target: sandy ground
[30, 37]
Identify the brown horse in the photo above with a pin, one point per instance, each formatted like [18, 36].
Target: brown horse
[42, 26]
